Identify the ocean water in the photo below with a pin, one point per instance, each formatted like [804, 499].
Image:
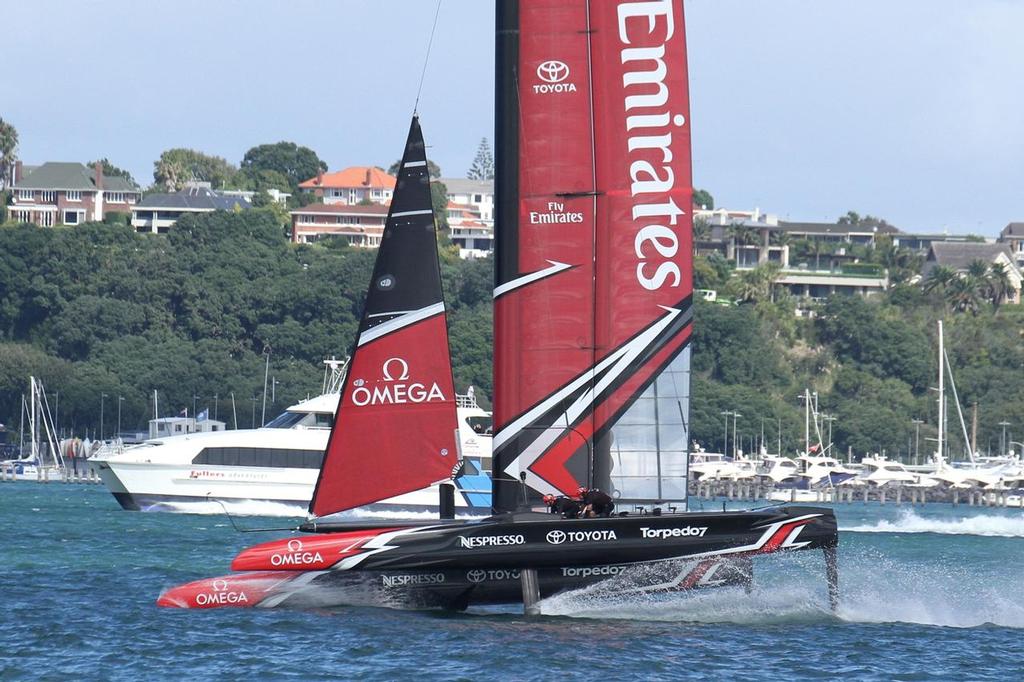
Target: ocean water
[932, 593]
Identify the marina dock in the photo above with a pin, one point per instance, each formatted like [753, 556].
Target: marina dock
[85, 473]
[720, 491]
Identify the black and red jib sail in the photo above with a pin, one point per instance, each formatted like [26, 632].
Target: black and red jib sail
[593, 302]
[395, 427]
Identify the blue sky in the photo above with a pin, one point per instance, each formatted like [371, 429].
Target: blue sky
[907, 110]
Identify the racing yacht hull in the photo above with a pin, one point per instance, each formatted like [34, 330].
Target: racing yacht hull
[459, 564]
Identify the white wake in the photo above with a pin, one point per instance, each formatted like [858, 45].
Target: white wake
[990, 525]
[234, 508]
[791, 589]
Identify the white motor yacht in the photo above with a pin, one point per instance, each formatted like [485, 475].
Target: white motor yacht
[278, 462]
[879, 470]
[778, 469]
[823, 470]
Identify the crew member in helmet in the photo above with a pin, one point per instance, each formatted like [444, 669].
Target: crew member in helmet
[595, 502]
[564, 506]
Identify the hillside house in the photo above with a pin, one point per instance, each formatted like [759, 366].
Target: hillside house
[59, 193]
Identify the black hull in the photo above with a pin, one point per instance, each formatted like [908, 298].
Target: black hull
[457, 590]
[512, 559]
[536, 540]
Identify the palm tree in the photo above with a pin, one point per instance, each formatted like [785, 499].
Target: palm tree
[701, 229]
[779, 238]
[999, 285]
[818, 247]
[939, 279]
[965, 294]
[755, 285]
[8, 148]
[744, 235]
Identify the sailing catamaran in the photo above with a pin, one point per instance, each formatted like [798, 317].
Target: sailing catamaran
[593, 314]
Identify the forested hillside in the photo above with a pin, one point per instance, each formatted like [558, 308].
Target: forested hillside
[98, 309]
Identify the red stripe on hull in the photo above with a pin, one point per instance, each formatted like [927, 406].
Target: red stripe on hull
[312, 553]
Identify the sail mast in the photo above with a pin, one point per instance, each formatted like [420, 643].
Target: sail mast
[942, 393]
[593, 295]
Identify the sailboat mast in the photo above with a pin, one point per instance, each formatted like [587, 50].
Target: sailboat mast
[942, 394]
[33, 447]
[959, 411]
[807, 421]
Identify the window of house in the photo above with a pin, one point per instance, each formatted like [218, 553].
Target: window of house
[339, 193]
[49, 196]
[70, 217]
[377, 194]
[25, 194]
[73, 195]
[115, 197]
[353, 196]
[23, 216]
[46, 219]
[478, 198]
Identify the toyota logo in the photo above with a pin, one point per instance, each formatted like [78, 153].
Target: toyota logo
[294, 545]
[553, 71]
[477, 575]
[556, 537]
[219, 585]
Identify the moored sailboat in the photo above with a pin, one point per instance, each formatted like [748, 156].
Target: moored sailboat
[593, 314]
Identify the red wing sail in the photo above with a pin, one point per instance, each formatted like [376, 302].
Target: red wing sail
[395, 427]
[593, 303]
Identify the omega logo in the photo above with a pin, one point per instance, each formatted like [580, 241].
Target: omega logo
[403, 374]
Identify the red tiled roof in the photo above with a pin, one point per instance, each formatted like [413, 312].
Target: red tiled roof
[366, 177]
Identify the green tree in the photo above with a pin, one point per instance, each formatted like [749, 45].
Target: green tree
[1001, 288]
[902, 264]
[730, 347]
[8, 151]
[111, 170]
[703, 199]
[965, 294]
[854, 218]
[701, 229]
[744, 235]
[291, 161]
[753, 286]
[259, 180]
[175, 167]
[483, 163]
[874, 340]
[439, 202]
[939, 280]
